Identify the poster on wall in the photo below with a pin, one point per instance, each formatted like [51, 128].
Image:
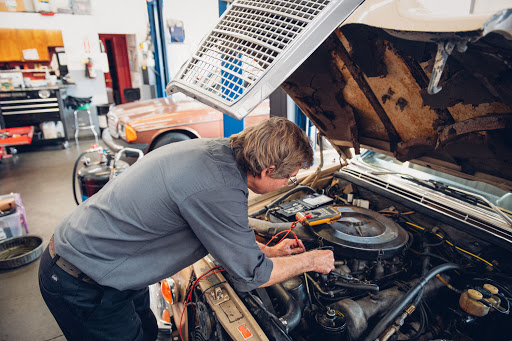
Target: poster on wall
[176, 30]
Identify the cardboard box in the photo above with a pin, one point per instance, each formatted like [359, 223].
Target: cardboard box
[12, 6]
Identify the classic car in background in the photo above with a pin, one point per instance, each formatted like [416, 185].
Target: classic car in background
[150, 124]
[420, 225]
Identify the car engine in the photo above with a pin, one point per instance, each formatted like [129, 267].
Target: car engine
[400, 274]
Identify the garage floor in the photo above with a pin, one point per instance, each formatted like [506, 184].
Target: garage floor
[44, 180]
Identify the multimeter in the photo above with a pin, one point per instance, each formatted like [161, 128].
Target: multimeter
[324, 215]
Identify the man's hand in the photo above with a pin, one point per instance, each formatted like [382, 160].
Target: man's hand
[286, 247]
[287, 267]
[323, 260]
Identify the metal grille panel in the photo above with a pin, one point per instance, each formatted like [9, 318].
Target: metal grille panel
[245, 43]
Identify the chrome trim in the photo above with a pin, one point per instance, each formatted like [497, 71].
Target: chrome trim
[31, 106]
[30, 111]
[109, 141]
[174, 125]
[52, 99]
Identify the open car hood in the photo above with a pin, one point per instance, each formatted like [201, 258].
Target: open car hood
[427, 85]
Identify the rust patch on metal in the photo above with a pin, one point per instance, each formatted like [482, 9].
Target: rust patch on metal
[367, 49]
[387, 96]
[340, 51]
[472, 125]
[401, 103]
[311, 87]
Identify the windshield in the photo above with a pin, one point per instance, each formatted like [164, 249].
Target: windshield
[498, 197]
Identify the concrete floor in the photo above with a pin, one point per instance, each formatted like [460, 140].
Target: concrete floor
[43, 177]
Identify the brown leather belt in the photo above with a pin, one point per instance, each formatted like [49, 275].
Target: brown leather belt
[67, 266]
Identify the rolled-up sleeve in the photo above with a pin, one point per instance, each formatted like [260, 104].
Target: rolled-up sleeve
[219, 220]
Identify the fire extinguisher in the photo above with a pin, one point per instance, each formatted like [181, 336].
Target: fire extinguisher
[89, 69]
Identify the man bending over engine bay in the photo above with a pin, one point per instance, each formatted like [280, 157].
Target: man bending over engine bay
[165, 212]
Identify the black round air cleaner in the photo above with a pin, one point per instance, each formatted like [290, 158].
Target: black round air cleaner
[362, 233]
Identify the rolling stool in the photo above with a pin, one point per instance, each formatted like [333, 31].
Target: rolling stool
[81, 106]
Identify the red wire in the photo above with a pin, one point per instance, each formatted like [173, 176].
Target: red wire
[288, 232]
[207, 273]
[189, 297]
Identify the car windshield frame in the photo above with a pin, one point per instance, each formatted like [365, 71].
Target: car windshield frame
[421, 174]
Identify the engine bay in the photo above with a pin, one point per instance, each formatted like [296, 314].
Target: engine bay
[400, 274]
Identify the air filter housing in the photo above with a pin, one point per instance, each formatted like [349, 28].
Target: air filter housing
[362, 233]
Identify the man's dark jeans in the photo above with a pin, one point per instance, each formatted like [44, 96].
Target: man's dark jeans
[86, 311]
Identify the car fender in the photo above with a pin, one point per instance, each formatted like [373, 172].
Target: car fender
[184, 130]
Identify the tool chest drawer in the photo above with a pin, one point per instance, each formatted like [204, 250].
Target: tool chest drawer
[31, 107]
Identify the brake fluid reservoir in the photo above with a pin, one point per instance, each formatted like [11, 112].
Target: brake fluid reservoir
[494, 299]
[469, 302]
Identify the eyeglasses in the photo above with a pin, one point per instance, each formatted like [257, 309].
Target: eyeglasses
[292, 181]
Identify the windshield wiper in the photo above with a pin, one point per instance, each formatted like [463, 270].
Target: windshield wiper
[448, 190]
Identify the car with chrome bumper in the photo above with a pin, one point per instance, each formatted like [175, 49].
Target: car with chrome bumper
[150, 124]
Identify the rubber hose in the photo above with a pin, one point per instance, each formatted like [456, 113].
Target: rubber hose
[74, 176]
[424, 270]
[291, 318]
[269, 229]
[353, 286]
[402, 303]
[369, 287]
[268, 322]
[281, 199]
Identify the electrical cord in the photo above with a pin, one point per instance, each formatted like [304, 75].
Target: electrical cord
[294, 224]
[443, 239]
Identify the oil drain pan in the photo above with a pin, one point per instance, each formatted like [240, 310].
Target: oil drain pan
[18, 251]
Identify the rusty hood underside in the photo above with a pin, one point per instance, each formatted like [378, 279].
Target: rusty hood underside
[366, 87]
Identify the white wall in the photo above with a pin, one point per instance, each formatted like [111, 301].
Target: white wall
[118, 17]
[112, 16]
[199, 17]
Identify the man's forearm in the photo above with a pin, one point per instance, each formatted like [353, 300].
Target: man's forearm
[288, 267]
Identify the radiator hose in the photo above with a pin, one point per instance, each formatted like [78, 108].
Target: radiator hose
[406, 300]
[293, 312]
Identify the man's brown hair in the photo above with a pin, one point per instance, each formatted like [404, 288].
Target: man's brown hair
[273, 142]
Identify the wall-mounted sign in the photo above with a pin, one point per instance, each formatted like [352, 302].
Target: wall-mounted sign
[30, 54]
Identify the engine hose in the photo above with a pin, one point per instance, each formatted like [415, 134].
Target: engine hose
[369, 287]
[402, 303]
[268, 322]
[281, 199]
[352, 286]
[268, 229]
[293, 314]
[74, 176]
[424, 270]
